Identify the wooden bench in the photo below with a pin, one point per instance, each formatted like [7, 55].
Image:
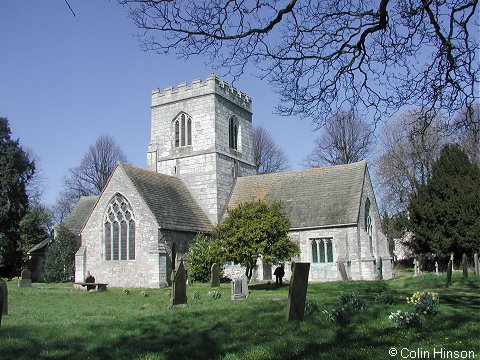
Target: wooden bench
[98, 286]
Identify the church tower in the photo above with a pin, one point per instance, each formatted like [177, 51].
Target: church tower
[202, 134]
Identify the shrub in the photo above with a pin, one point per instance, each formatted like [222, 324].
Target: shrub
[385, 298]
[352, 300]
[404, 319]
[339, 315]
[425, 303]
[143, 293]
[201, 255]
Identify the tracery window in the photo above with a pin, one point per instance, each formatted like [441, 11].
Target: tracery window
[183, 130]
[368, 223]
[322, 250]
[233, 133]
[119, 230]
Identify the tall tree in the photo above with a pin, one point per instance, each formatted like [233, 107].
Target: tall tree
[445, 215]
[91, 175]
[408, 149]
[268, 156]
[16, 170]
[321, 55]
[35, 227]
[60, 259]
[346, 138]
[256, 229]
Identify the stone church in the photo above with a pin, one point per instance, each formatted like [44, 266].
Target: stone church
[200, 163]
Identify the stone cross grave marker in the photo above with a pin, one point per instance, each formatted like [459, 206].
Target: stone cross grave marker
[415, 268]
[477, 265]
[297, 291]
[237, 289]
[25, 279]
[465, 265]
[179, 286]
[244, 279]
[436, 268]
[215, 275]
[3, 287]
[342, 271]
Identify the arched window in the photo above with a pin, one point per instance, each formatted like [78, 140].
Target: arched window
[119, 230]
[368, 223]
[182, 130]
[233, 133]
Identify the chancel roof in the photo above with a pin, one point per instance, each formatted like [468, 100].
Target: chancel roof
[315, 197]
[169, 200]
[80, 213]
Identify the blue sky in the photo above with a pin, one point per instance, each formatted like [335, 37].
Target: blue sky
[65, 80]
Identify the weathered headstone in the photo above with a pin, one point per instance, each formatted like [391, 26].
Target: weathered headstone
[297, 292]
[476, 264]
[449, 274]
[25, 279]
[415, 267]
[244, 279]
[465, 265]
[342, 271]
[179, 286]
[237, 289]
[436, 268]
[3, 287]
[215, 275]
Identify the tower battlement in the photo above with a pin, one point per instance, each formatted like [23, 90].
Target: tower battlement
[211, 85]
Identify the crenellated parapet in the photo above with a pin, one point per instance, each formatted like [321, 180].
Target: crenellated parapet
[211, 85]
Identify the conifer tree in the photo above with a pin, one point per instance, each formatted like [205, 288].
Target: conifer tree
[445, 215]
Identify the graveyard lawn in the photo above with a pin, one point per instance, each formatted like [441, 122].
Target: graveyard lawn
[53, 321]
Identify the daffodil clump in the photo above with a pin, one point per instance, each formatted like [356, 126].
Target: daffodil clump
[404, 319]
[424, 302]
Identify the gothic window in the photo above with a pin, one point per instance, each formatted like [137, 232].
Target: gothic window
[233, 133]
[183, 130]
[368, 223]
[322, 251]
[119, 230]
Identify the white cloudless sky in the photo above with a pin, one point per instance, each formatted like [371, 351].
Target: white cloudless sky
[65, 80]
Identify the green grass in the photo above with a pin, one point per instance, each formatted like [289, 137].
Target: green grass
[53, 321]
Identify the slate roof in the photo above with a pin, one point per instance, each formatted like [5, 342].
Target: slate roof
[169, 200]
[80, 213]
[314, 197]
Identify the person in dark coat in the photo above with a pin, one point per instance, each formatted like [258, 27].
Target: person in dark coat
[279, 274]
[90, 279]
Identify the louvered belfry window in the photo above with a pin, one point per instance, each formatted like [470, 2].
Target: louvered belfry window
[119, 230]
[182, 130]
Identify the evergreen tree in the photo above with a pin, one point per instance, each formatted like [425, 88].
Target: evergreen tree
[34, 227]
[256, 229]
[60, 259]
[445, 215]
[201, 255]
[16, 170]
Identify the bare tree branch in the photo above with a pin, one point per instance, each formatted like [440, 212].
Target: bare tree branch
[267, 155]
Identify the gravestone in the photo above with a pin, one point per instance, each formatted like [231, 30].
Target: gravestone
[436, 268]
[179, 286]
[449, 274]
[25, 279]
[244, 279]
[465, 265]
[3, 287]
[342, 271]
[237, 289]
[215, 275]
[415, 267]
[297, 292]
[476, 264]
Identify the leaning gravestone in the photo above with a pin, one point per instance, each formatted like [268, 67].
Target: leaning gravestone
[4, 290]
[465, 265]
[342, 271]
[215, 275]
[476, 264]
[25, 279]
[449, 274]
[297, 292]
[244, 279]
[179, 286]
